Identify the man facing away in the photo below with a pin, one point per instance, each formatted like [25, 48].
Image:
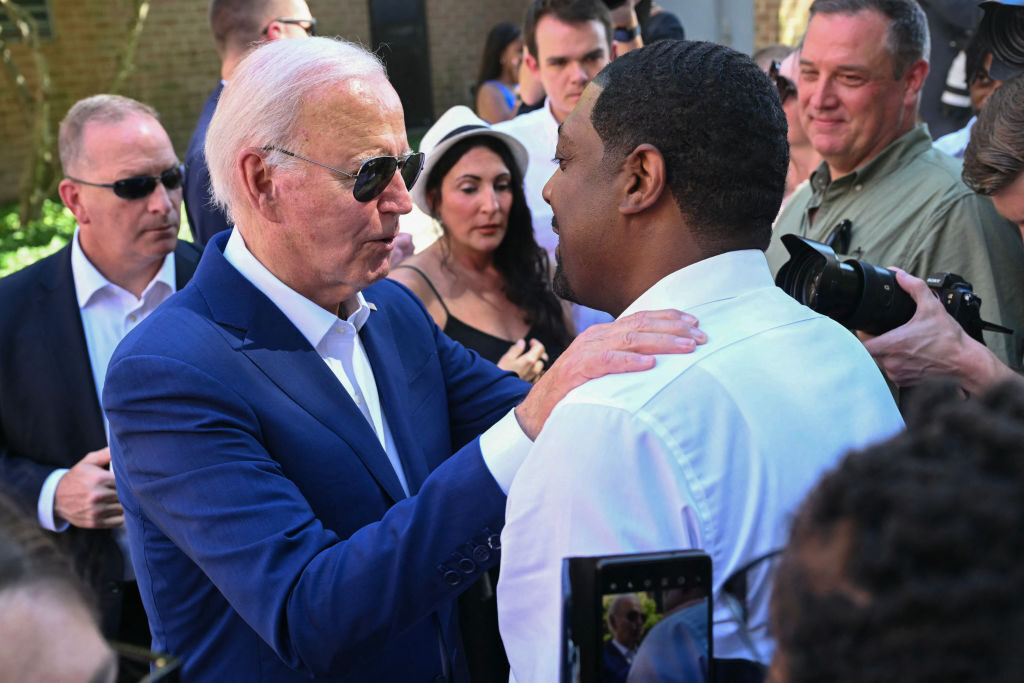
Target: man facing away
[60, 319]
[713, 450]
[237, 26]
[283, 431]
[883, 194]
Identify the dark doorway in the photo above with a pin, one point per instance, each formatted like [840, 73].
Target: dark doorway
[398, 29]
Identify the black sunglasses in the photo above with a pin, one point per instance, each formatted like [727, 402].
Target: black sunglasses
[307, 25]
[374, 174]
[142, 185]
[786, 87]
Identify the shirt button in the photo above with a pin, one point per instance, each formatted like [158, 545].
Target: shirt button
[132, 318]
[359, 399]
[858, 187]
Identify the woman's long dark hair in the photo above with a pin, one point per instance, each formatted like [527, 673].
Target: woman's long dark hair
[497, 40]
[523, 265]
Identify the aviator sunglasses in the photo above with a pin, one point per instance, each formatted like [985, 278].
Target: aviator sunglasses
[374, 174]
[141, 186]
[785, 86]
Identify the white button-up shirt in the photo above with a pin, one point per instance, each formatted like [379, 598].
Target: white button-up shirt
[108, 312]
[711, 450]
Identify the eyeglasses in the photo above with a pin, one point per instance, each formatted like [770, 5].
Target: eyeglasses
[786, 87]
[141, 186]
[374, 174]
[307, 25]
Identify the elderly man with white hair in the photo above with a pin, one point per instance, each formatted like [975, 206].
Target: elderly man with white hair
[297, 445]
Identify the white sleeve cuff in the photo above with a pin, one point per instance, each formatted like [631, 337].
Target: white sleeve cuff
[44, 509]
[504, 447]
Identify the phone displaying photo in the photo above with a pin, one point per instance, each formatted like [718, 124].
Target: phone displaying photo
[641, 618]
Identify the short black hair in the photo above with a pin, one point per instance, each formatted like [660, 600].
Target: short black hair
[566, 11]
[237, 23]
[1002, 26]
[928, 579]
[716, 119]
[907, 38]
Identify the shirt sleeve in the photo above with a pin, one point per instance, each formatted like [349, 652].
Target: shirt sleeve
[503, 448]
[44, 509]
[598, 481]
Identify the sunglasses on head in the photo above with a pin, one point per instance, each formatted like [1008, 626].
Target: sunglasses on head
[141, 186]
[307, 25]
[786, 87]
[374, 174]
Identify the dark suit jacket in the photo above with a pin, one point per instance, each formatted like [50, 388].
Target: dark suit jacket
[49, 413]
[615, 668]
[204, 219]
[271, 538]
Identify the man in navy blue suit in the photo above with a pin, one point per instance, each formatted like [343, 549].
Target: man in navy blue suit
[297, 446]
[237, 25]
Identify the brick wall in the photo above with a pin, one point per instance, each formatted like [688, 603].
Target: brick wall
[766, 22]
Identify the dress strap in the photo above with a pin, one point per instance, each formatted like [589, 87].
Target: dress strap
[429, 284]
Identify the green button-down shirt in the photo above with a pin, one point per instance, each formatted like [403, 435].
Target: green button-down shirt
[909, 208]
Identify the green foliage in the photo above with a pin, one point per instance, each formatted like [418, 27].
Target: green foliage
[21, 245]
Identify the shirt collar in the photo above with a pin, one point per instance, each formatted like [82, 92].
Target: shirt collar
[89, 280]
[717, 278]
[896, 155]
[310, 319]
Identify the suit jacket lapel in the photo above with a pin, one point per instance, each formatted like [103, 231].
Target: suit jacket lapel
[379, 342]
[280, 351]
[58, 329]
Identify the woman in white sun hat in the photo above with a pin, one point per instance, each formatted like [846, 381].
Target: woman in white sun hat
[485, 281]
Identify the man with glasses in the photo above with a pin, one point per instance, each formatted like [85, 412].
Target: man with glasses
[883, 193]
[237, 26]
[60, 320]
[294, 439]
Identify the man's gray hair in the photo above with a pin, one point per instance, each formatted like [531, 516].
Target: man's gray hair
[907, 38]
[267, 92]
[98, 108]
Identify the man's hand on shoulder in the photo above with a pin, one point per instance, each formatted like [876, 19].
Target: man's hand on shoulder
[626, 345]
[87, 496]
[932, 344]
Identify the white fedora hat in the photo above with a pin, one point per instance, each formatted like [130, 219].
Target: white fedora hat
[455, 124]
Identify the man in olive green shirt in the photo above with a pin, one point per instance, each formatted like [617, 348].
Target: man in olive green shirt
[883, 194]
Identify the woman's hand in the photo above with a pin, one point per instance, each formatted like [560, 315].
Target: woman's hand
[528, 363]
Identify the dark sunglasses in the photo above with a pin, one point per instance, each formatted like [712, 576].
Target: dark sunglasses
[142, 185]
[374, 174]
[786, 87]
[307, 25]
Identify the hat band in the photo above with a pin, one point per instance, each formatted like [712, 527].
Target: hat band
[462, 129]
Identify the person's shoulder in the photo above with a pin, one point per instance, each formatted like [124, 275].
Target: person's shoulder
[13, 287]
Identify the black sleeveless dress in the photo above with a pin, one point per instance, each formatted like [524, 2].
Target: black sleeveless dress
[487, 345]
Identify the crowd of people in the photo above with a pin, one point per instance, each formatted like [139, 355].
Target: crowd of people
[295, 450]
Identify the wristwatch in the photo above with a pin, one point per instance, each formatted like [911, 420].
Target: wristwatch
[624, 35]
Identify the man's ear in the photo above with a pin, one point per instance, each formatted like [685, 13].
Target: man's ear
[531, 63]
[72, 198]
[915, 76]
[258, 183]
[644, 176]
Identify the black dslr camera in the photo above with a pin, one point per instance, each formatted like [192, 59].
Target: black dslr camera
[861, 296]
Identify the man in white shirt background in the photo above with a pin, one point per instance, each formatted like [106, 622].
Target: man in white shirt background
[712, 450]
[60, 320]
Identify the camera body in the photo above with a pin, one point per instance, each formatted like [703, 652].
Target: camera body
[862, 296]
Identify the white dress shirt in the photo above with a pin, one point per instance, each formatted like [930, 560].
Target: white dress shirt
[109, 312]
[337, 341]
[538, 133]
[710, 450]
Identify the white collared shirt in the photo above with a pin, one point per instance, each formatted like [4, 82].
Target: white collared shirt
[711, 450]
[108, 312]
[503, 446]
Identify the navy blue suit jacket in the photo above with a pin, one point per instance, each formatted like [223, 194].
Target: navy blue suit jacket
[204, 219]
[49, 412]
[270, 535]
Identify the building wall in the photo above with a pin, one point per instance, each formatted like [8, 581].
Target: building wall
[176, 65]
